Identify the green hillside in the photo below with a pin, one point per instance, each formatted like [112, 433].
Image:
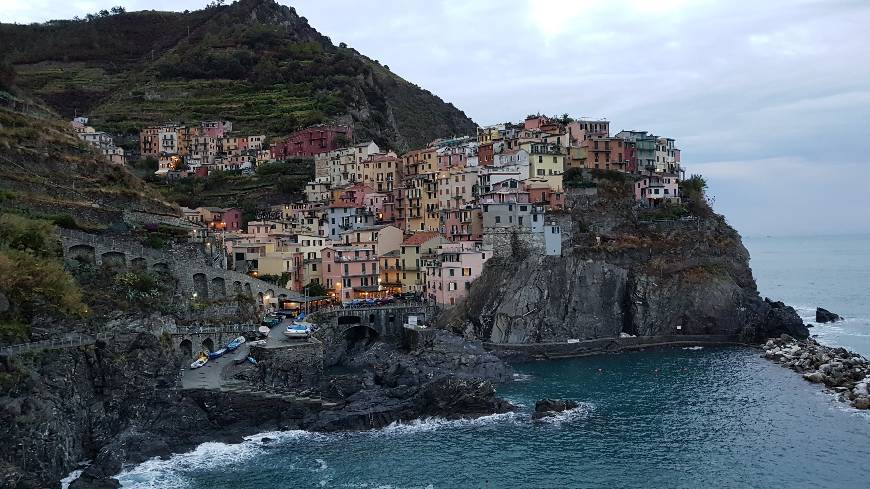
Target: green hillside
[254, 62]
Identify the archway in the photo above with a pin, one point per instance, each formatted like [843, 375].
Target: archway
[114, 260]
[82, 254]
[186, 348]
[248, 291]
[346, 320]
[218, 288]
[360, 333]
[139, 264]
[237, 288]
[160, 268]
[200, 286]
[208, 344]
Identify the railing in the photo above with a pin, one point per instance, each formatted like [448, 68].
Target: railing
[72, 340]
[232, 328]
[362, 307]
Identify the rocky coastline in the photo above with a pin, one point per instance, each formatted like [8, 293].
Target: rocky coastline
[840, 370]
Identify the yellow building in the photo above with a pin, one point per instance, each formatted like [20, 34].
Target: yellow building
[390, 268]
[546, 161]
[415, 249]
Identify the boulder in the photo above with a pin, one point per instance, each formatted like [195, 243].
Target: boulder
[550, 407]
[816, 377]
[862, 403]
[826, 316]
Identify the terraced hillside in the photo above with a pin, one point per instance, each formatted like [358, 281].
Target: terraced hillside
[47, 172]
[254, 62]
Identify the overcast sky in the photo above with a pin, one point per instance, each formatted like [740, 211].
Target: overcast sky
[770, 99]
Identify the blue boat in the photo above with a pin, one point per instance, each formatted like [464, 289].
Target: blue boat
[232, 345]
[252, 360]
[216, 354]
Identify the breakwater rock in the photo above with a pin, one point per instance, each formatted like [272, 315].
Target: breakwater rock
[550, 407]
[825, 316]
[841, 370]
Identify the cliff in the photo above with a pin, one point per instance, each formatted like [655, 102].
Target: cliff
[255, 62]
[621, 272]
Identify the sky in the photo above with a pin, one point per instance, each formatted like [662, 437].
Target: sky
[769, 100]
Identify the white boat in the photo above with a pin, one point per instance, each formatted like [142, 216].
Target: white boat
[200, 361]
[298, 329]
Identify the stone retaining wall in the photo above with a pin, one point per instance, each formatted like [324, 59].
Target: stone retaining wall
[529, 351]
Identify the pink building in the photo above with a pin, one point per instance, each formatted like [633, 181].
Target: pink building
[356, 195]
[462, 224]
[350, 272]
[450, 274]
[657, 188]
[311, 141]
[451, 158]
[216, 129]
[535, 122]
[540, 193]
[222, 219]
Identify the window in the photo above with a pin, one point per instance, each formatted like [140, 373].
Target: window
[520, 220]
[498, 219]
[524, 208]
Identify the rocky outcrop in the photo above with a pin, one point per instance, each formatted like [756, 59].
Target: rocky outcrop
[118, 402]
[627, 277]
[841, 370]
[545, 408]
[826, 316]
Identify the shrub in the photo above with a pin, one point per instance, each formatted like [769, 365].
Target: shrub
[29, 235]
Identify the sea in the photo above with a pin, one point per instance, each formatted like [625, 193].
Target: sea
[675, 418]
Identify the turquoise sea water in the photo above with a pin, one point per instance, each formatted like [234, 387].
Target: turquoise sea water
[679, 418]
[828, 271]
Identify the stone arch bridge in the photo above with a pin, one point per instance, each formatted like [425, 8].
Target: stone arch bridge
[383, 322]
[189, 341]
[195, 274]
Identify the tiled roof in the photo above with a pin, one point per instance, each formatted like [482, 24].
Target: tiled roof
[420, 238]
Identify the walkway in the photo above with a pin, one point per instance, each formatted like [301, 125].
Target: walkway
[69, 340]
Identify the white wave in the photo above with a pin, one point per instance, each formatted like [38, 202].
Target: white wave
[522, 377]
[169, 472]
[66, 481]
[425, 425]
[580, 412]
[693, 348]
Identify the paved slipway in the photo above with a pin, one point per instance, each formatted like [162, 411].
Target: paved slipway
[217, 373]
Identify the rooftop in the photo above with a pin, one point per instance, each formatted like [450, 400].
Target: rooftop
[420, 238]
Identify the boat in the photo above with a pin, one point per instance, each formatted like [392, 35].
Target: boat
[298, 329]
[201, 360]
[216, 354]
[258, 343]
[271, 320]
[252, 361]
[232, 345]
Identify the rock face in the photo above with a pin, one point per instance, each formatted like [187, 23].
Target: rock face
[628, 276]
[826, 316]
[549, 407]
[117, 402]
[843, 371]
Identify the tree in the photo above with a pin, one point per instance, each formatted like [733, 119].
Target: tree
[118, 10]
[265, 74]
[315, 289]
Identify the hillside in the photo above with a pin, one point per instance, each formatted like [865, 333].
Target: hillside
[47, 172]
[254, 62]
